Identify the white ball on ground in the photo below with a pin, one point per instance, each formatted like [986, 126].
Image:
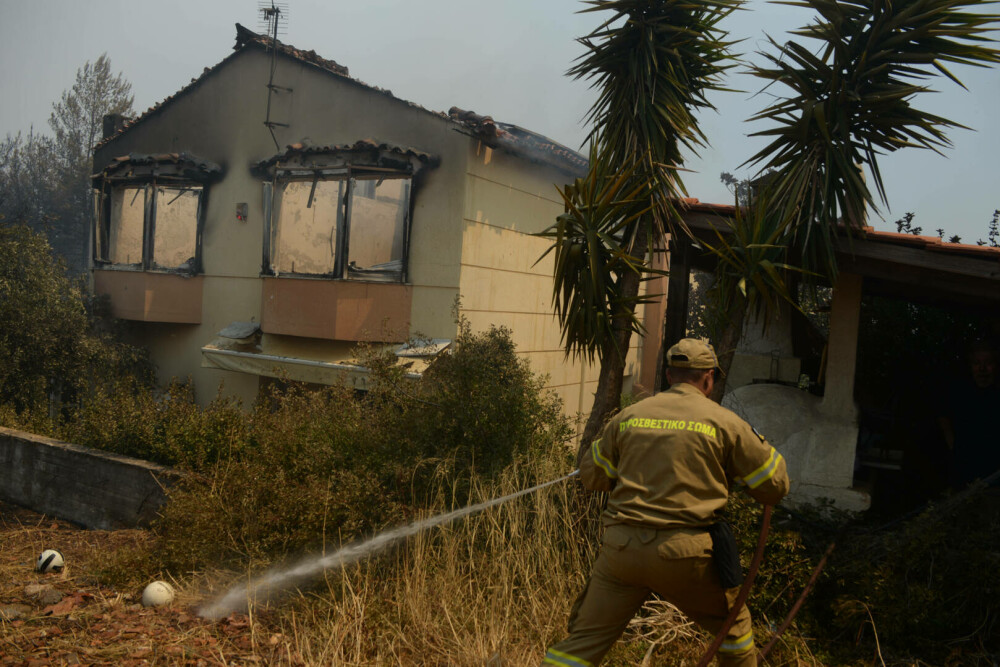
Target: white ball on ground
[157, 594]
[50, 560]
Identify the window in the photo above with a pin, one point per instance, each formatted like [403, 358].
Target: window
[175, 227]
[124, 240]
[306, 234]
[149, 210]
[152, 226]
[347, 225]
[341, 212]
[377, 226]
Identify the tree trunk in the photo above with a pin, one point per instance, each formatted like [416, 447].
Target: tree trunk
[675, 319]
[609, 384]
[726, 347]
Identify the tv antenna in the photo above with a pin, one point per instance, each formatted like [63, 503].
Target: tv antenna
[273, 16]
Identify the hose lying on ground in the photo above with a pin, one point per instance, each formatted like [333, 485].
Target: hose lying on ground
[741, 598]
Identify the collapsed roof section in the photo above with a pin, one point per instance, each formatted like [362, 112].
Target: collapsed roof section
[365, 154]
[520, 141]
[179, 166]
[511, 138]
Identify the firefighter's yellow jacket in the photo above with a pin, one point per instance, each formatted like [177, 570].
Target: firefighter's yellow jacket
[671, 460]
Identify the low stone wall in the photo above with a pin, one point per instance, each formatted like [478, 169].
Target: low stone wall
[89, 487]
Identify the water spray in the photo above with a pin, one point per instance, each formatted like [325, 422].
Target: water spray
[273, 583]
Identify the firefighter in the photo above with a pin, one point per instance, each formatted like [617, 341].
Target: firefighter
[669, 462]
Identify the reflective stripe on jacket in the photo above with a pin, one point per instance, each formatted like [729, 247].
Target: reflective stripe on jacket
[671, 460]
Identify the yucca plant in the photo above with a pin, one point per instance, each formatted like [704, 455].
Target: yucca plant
[852, 100]
[601, 209]
[653, 63]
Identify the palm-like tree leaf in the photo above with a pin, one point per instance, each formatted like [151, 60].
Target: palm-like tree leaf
[750, 251]
[653, 63]
[590, 257]
[850, 101]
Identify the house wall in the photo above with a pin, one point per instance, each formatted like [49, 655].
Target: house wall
[222, 120]
[502, 280]
[472, 218]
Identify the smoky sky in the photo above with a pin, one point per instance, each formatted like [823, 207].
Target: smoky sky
[503, 58]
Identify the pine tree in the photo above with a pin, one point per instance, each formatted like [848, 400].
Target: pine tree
[26, 181]
[76, 122]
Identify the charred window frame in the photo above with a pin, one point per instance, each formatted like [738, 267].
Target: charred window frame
[152, 226]
[344, 225]
[149, 213]
[340, 214]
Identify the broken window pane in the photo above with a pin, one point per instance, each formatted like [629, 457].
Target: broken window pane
[176, 234]
[125, 233]
[306, 239]
[378, 224]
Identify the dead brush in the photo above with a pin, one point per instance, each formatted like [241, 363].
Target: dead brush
[86, 621]
[492, 588]
[660, 623]
[496, 585]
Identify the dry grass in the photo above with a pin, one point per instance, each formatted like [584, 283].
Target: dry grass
[495, 586]
[492, 589]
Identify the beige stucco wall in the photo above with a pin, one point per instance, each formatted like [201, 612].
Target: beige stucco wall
[222, 120]
[472, 221]
[502, 281]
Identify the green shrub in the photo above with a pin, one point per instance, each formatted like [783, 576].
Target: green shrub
[790, 554]
[921, 588]
[56, 343]
[167, 427]
[481, 405]
[928, 585]
[253, 511]
[324, 466]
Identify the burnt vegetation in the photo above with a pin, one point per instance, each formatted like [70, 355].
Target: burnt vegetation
[305, 469]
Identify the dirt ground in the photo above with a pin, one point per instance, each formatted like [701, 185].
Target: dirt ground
[69, 618]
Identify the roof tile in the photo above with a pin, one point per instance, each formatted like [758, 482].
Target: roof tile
[364, 145]
[930, 243]
[519, 141]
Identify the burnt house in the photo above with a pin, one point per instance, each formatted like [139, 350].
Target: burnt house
[275, 212]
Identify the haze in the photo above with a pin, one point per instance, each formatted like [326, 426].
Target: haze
[504, 59]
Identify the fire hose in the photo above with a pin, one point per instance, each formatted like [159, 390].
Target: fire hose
[741, 597]
[953, 502]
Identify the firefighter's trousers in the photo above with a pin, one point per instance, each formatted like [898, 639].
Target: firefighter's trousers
[633, 561]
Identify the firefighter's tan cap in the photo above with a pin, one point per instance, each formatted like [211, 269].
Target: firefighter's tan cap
[692, 353]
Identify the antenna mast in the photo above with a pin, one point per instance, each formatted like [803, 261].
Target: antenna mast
[271, 14]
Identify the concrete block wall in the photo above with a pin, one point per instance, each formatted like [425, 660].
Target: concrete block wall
[95, 489]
